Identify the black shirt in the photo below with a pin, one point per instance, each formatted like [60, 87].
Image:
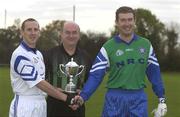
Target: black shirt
[53, 58]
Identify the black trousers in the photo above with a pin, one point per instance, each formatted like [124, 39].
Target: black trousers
[57, 108]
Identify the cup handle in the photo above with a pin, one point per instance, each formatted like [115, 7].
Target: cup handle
[82, 68]
[60, 67]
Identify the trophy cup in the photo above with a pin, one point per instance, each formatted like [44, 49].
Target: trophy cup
[71, 70]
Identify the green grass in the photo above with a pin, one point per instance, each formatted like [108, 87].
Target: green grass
[172, 85]
[95, 104]
[6, 94]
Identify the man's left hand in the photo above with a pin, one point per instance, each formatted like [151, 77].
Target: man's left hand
[161, 109]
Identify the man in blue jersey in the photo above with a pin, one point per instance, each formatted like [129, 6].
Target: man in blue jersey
[127, 58]
[27, 71]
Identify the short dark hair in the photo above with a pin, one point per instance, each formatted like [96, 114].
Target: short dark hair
[29, 19]
[124, 9]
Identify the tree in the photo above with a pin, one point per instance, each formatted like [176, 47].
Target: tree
[150, 27]
[92, 42]
[9, 39]
[172, 56]
[50, 35]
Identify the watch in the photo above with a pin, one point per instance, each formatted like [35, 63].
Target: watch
[162, 100]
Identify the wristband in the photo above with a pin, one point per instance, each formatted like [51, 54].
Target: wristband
[162, 100]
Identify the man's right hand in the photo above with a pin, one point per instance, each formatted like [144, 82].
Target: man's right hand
[70, 99]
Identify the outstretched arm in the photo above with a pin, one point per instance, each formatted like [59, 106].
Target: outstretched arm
[50, 90]
[96, 74]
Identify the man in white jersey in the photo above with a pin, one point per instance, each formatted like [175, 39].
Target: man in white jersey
[27, 71]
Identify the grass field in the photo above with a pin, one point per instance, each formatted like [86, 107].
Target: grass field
[94, 105]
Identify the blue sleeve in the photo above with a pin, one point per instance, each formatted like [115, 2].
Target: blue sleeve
[96, 75]
[154, 75]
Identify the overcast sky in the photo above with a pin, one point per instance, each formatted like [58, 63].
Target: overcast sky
[94, 15]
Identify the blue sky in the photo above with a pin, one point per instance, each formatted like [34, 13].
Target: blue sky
[94, 15]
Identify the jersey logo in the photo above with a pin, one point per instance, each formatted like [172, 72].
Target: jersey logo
[35, 60]
[142, 50]
[119, 52]
[129, 49]
[130, 61]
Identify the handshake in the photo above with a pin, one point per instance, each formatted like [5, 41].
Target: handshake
[74, 101]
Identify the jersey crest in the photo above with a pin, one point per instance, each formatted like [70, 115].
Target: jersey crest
[142, 50]
[119, 52]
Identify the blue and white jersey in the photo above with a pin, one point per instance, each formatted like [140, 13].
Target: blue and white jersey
[27, 69]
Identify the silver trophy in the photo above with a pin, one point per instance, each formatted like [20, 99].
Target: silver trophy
[71, 70]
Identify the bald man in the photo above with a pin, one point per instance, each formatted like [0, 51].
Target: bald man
[62, 54]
